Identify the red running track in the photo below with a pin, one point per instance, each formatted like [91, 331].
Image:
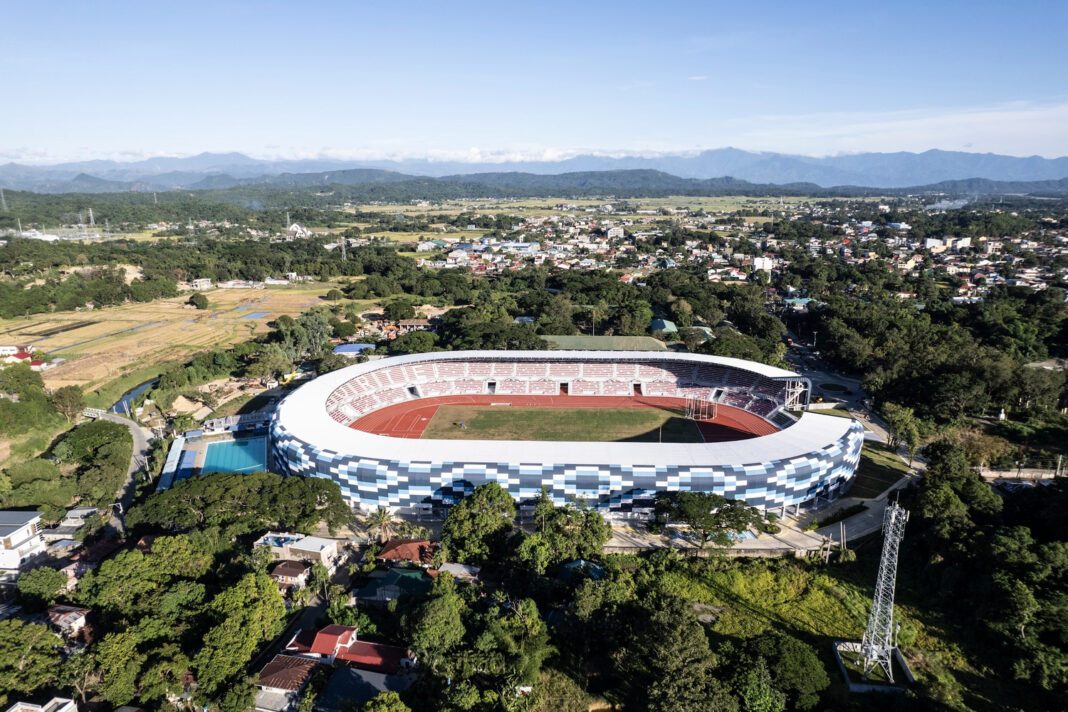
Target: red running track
[410, 418]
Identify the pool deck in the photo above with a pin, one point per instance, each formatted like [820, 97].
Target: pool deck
[198, 446]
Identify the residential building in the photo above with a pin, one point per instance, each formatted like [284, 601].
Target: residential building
[413, 551]
[291, 574]
[287, 545]
[20, 538]
[281, 682]
[68, 620]
[56, 704]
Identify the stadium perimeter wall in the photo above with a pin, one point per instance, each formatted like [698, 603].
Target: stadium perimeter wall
[814, 458]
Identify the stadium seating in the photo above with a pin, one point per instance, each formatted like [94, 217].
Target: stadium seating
[389, 385]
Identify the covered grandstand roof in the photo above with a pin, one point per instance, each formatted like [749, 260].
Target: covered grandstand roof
[304, 415]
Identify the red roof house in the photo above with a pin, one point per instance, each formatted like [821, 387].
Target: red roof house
[414, 551]
[338, 642]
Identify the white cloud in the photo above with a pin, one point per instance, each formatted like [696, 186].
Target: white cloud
[1018, 128]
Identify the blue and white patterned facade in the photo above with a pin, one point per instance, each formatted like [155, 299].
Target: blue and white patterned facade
[815, 457]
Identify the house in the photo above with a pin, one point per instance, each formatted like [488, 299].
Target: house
[201, 283]
[286, 545]
[281, 682]
[413, 551]
[663, 326]
[76, 519]
[313, 548]
[20, 538]
[338, 643]
[347, 686]
[291, 574]
[23, 351]
[56, 704]
[68, 620]
[407, 326]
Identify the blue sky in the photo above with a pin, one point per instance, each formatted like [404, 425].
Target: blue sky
[507, 80]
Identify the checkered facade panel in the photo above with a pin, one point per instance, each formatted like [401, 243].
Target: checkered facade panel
[371, 482]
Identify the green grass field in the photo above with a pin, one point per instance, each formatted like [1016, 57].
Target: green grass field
[879, 468]
[561, 424]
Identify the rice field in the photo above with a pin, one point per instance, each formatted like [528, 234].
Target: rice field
[105, 344]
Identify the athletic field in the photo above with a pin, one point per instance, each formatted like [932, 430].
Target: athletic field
[478, 422]
[574, 418]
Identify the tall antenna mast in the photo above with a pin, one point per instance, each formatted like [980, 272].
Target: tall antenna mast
[155, 200]
[287, 220]
[19, 220]
[3, 201]
[92, 223]
[344, 244]
[879, 637]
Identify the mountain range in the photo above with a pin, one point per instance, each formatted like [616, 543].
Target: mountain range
[208, 171]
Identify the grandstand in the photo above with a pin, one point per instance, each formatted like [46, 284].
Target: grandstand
[344, 426]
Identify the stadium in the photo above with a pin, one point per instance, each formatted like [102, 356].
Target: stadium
[605, 427]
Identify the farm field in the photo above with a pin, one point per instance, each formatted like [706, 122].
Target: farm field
[561, 424]
[106, 344]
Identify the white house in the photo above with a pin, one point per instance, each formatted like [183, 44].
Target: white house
[56, 704]
[20, 538]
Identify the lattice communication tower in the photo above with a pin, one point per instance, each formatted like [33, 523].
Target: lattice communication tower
[880, 636]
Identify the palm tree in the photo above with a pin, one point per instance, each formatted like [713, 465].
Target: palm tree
[380, 522]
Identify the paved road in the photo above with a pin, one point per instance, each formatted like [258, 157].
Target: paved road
[138, 460]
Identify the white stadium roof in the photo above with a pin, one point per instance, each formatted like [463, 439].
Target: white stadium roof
[304, 415]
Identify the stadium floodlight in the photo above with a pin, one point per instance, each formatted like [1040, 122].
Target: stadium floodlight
[879, 641]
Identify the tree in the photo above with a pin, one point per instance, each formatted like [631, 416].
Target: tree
[120, 664]
[561, 534]
[334, 295]
[248, 613]
[387, 701]
[270, 362]
[479, 524]
[414, 342]
[42, 586]
[29, 656]
[399, 309]
[199, 300]
[68, 401]
[665, 663]
[795, 668]
[711, 517]
[380, 523]
[437, 625]
[902, 424]
[758, 693]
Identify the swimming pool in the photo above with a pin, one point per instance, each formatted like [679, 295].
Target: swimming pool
[244, 455]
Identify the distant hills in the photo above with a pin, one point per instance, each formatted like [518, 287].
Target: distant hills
[213, 171]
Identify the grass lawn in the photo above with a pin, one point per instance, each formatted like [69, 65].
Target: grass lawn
[242, 405]
[879, 468]
[561, 424]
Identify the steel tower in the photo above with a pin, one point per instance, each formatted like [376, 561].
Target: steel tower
[880, 636]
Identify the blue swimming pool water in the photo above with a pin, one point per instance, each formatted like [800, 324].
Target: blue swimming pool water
[244, 455]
